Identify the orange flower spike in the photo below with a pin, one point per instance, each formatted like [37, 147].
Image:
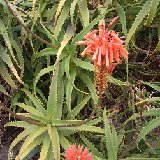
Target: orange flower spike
[103, 46]
[110, 53]
[95, 64]
[115, 37]
[105, 49]
[100, 56]
[116, 54]
[123, 52]
[85, 50]
[79, 150]
[111, 68]
[74, 153]
[101, 27]
[85, 152]
[107, 59]
[83, 42]
[113, 21]
[95, 53]
[117, 40]
[90, 34]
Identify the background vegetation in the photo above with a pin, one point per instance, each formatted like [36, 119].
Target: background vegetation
[49, 90]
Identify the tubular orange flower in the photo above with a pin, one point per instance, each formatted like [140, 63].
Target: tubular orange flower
[74, 153]
[105, 48]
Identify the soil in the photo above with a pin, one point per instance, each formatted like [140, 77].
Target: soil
[4, 145]
[7, 135]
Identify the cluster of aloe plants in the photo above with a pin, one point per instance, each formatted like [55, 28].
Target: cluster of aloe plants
[49, 89]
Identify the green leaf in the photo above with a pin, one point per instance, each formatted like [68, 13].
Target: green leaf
[41, 95]
[152, 85]
[152, 12]
[69, 88]
[97, 158]
[19, 124]
[83, 64]
[83, 8]
[67, 66]
[62, 18]
[59, 8]
[72, 8]
[148, 128]
[66, 133]
[4, 4]
[67, 70]
[5, 34]
[45, 147]
[91, 147]
[52, 98]
[139, 18]
[65, 122]
[35, 101]
[42, 6]
[139, 156]
[41, 73]
[14, 8]
[54, 137]
[148, 100]
[112, 154]
[151, 112]
[28, 115]
[80, 106]
[80, 95]
[95, 121]
[31, 110]
[158, 45]
[2, 89]
[60, 99]
[19, 56]
[5, 74]
[107, 3]
[56, 144]
[70, 81]
[42, 12]
[50, 155]
[31, 138]
[68, 35]
[44, 52]
[50, 12]
[116, 139]
[22, 135]
[121, 13]
[90, 86]
[6, 58]
[116, 81]
[36, 142]
[64, 142]
[89, 27]
[85, 128]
